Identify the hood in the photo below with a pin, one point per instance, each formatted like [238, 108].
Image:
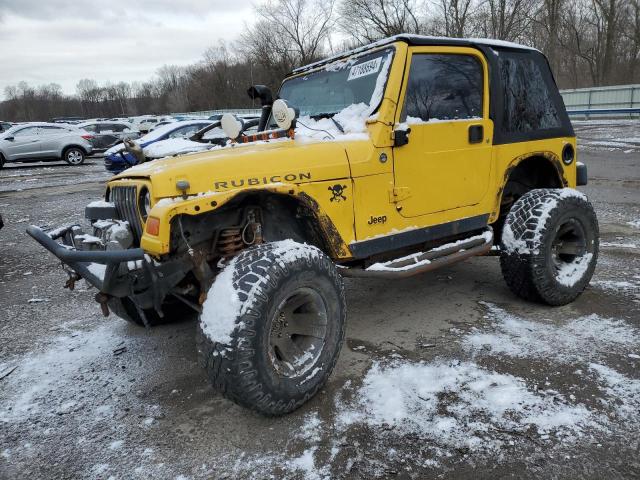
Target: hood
[244, 166]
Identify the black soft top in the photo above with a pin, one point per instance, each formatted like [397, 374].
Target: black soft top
[499, 54]
[421, 40]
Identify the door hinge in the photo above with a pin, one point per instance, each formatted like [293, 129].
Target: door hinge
[398, 194]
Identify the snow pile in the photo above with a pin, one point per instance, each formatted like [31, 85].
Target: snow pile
[589, 337]
[570, 273]
[352, 119]
[175, 146]
[225, 303]
[625, 390]
[222, 307]
[28, 391]
[98, 270]
[634, 223]
[458, 404]
[512, 244]
[101, 204]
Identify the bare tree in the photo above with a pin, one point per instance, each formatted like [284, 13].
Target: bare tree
[506, 19]
[369, 20]
[290, 32]
[455, 17]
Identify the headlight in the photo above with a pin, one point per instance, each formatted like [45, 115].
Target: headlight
[144, 203]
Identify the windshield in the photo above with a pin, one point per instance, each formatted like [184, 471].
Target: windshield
[340, 84]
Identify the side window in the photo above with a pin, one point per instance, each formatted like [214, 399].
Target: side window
[26, 131]
[90, 128]
[187, 130]
[443, 87]
[47, 130]
[527, 103]
[107, 128]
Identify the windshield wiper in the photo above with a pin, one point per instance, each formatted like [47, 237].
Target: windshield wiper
[337, 124]
[329, 115]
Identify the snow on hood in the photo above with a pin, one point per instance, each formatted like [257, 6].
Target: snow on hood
[175, 146]
[119, 147]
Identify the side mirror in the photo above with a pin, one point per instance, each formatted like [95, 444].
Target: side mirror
[401, 137]
[11, 138]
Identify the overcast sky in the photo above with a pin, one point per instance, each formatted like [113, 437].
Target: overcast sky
[63, 41]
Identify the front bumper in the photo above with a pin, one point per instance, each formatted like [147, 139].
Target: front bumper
[83, 262]
[115, 273]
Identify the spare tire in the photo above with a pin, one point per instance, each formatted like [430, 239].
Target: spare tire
[549, 245]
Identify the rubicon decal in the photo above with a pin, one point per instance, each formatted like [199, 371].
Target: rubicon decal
[254, 181]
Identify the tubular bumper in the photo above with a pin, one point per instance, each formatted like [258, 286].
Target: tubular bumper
[78, 260]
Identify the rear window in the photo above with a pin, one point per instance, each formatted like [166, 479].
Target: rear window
[528, 103]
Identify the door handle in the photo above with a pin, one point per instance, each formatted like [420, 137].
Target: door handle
[476, 133]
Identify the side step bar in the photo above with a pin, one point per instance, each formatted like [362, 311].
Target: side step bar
[420, 262]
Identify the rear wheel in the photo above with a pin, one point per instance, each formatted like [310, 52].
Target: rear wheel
[272, 326]
[549, 246]
[74, 156]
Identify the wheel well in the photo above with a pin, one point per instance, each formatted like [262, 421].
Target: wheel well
[67, 147]
[528, 174]
[282, 217]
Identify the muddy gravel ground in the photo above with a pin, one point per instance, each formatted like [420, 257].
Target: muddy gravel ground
[443, 375]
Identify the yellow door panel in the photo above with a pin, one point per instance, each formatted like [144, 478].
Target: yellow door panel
[447, 162]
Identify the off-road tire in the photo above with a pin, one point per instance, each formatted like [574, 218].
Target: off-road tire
[174, 311]
[529, 258]
[77, 152]
[244, 370]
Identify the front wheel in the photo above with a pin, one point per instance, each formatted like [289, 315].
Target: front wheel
[550, 245]
[74, 156]
[272, 326]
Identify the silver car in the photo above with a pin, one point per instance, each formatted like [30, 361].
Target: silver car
[105, 134]
[44, 141]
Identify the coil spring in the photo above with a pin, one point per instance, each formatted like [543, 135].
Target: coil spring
[230, 241]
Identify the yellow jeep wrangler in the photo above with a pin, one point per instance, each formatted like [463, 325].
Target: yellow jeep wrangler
[391, 160]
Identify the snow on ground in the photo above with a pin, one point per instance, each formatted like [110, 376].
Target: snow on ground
[459, 405]
[609, 135]
[589, 337]
[55, 369]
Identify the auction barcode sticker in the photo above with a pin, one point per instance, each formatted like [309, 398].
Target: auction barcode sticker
[363, 69]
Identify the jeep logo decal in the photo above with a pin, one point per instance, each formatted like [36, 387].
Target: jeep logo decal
[375, 220]
[253, 181]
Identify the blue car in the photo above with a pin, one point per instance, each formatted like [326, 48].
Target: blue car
[117, 158]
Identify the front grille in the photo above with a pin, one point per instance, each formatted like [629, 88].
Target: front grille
[126, 202]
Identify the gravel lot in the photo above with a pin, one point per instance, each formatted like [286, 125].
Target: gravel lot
[442, 375]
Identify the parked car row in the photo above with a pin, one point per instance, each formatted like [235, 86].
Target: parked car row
[124, 141]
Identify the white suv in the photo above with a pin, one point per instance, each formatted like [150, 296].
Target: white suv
[44, 141]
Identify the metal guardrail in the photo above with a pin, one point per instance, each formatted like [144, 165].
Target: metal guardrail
[604, 111]
[614, 100]
[208, 113]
